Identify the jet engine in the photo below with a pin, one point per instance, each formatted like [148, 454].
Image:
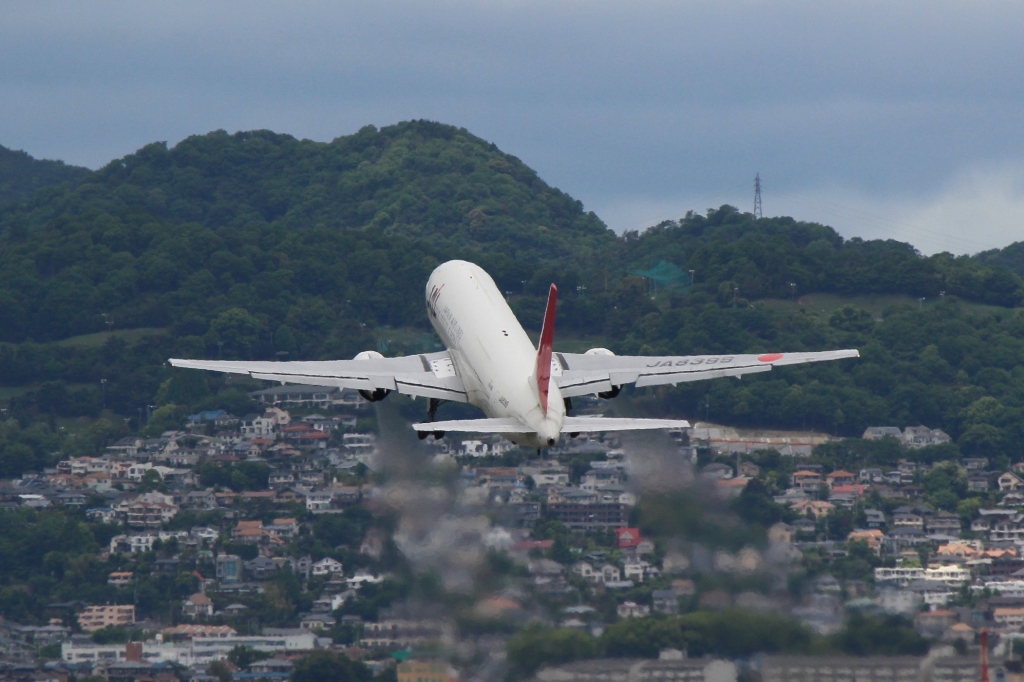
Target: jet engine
[607, 395]
[378, 394]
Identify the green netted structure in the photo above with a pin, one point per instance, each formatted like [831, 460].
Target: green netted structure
[665, 275]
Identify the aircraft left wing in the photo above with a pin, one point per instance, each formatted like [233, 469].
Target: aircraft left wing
[590, 373]
[431, 375]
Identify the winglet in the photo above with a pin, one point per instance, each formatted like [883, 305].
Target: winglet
[547, 335]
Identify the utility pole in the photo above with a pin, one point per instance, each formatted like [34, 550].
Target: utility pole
[757, 196]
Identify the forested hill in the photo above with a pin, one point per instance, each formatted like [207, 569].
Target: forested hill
[21, 176]
[266, 222]
[324, 235]
[257, 244]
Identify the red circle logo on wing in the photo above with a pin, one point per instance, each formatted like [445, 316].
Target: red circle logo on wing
[770, 357]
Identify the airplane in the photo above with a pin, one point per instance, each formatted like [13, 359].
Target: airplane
[491, 364]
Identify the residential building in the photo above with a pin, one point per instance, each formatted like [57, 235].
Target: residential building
[921, 436]
[592, 516]
[879, 432]
[229, 568]
[978, 483]
[871, 475]
[197, 605]
[874, 518]
[98, 617]
[426, 671]
[873, 538]
[630, 609]
[207, 649]
[815, 508]
[393, 633]
[261, 567]
[248, 532]
[840, 477]
[120, 578]
[327, 566]
[1010, 481]
[257, 426]
[806, 480]
[907, 520]
[665, 601]
[944, 522]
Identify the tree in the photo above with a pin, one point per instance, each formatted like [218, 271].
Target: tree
[885, 636]
[221, 670]
[324, 666]
[185, 387]
[243, 656]
[237, 330]
[284, 339]
[754, 505]
[537, 646]
[151, 480]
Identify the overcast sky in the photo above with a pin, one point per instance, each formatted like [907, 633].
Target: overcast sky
[882, 119]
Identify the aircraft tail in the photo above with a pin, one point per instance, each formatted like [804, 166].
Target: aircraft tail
[547, 336]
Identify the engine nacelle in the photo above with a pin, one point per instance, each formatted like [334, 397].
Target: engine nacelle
[378, 394]
[607, 395]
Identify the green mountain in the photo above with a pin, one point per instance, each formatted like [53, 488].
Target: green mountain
[21, 176]
[171, 237]
[256, 244]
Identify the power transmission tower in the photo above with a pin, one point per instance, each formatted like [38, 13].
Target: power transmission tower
[757, 196]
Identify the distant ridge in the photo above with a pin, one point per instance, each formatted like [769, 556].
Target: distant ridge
[21, 176]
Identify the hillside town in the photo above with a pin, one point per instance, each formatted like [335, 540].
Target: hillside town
[237, 509]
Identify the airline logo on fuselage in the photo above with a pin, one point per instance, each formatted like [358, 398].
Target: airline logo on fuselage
[435, 291]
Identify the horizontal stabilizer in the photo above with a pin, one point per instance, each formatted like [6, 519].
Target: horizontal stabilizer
[495, 425]
[596, 424]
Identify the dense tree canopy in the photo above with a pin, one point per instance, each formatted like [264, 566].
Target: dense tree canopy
[21, 176]
[259, 245]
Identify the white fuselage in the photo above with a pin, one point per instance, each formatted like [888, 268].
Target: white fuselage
[492, 354]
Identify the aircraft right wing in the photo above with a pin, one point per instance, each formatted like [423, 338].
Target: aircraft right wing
[590, 373]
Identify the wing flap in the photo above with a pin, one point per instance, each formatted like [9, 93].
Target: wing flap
[491, 425]
[431, 375]
[598, 424]
[681, 377]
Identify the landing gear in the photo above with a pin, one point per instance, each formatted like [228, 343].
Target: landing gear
[608, 395]
[432, 405]
[374, 396]
[568, 405]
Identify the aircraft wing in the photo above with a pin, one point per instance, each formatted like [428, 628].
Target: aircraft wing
[431, 375]
[584, 374]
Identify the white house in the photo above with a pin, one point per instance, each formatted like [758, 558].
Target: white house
[327, 566]
[631, 609]
[633, 570]
[319, 500]
[585, 570]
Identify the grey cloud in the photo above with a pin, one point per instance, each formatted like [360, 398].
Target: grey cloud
[618, 103]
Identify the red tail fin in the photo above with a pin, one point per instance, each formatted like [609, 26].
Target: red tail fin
[547, 335]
